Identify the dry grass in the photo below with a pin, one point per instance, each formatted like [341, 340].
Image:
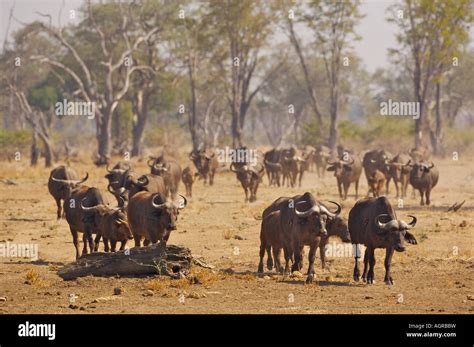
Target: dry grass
[33, 278]
[156, 284]
[227, 234]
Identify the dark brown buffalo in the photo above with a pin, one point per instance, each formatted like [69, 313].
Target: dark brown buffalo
[271, 160]
[152, 217]
[336, 227]
[423, 177]
[399, 171]
[376, 183]
[148, 183]
[110, 224]
[321, 157]
[117, 178]
[307, 225]
[346, 172]
[249, 176]
[272, 239]
[206, 163]
[188, 178]
[60, 183]
[374, 223]
[170, 170]
[378, 159]
[79, 220]
[289, 166]
[303, 222]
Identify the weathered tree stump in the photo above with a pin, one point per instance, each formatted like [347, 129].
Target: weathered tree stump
[141, 261]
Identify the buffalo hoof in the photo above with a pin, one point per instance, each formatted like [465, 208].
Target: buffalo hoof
[260, 268]
[370, 280]
[310, 279]
[356, 275]
[389, 281]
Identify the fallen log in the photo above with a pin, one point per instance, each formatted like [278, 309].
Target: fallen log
[150, 260]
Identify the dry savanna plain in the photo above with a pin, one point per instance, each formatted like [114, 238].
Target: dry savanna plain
[435, 276]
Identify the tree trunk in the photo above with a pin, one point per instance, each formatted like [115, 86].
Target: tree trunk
[139, 121]
[141, 261]
[333, 125]
[437, 135]
[34, 149]
[103, 138]
[48, 150]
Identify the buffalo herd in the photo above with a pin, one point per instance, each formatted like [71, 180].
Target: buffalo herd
[147, 205]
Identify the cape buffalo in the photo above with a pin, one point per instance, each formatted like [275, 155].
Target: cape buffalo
[151, 216]
[206, 163]
[60, 183]
[321, 156]
[117, 178]
[423, 177]
[374, 223]
[188, 178]
[346, 172]
[110, 224]
[79, 220]
[399, 171]
[171, 173]
[271, 160]
[249, 176]
[377, 160]
[149, 183]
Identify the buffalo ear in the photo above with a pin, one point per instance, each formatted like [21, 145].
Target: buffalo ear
[331, 168]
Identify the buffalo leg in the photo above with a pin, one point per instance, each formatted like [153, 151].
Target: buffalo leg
[396, 187]
[387, 184]
[357, 188]
[276, 258]
[322, 251]
[339, 186]
[297, 254]
[346, 189]
[311, 257]
[269, 258]
[370, 274]
[356, 274]
[287, 253]
[106, 245]
[388, 262]
[84, 247]
[427, 197]
[122, 244]
[422, 202]
[146, 242]
[90, 239]
[137, 239]
[97, 242]
[366, 265]
[75, 241]
[58, 203]
[113, 245]
[262, 254]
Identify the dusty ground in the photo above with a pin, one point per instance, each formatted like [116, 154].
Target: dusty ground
[434, 276]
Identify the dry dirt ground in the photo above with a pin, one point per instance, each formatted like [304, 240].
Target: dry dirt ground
[435, 276]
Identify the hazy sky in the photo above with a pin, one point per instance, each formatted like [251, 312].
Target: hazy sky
[377, 34]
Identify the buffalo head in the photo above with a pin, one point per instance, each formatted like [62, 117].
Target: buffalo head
[395, 231]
